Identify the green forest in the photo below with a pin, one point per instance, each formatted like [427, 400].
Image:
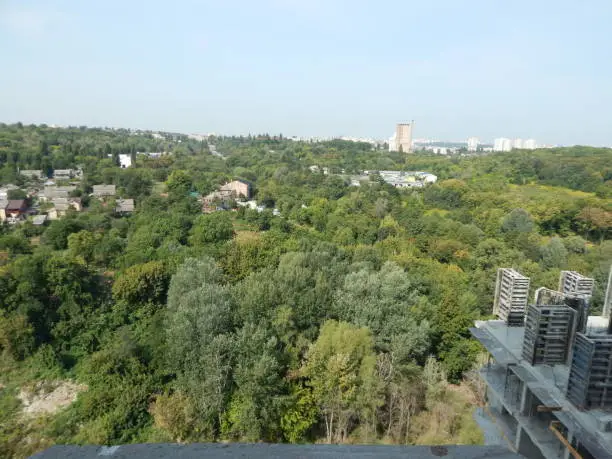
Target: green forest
[341, 318]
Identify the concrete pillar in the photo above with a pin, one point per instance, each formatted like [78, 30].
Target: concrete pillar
[525, 446]
[525, 401]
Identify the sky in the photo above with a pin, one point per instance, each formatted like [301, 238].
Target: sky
[537, 69]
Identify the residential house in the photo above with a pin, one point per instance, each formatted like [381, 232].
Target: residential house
[5, 189]
[63, 174]
[236, 189]
[124, 206]
[219, 200]
[31, 174]
[62, 206]
[215, 201]
[52, 192]
[16, 210]
[103, 191]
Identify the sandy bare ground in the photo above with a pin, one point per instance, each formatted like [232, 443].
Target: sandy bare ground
[49, 397]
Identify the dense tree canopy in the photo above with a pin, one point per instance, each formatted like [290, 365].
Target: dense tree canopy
[343, 319]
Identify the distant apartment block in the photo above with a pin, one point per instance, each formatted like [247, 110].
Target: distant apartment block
[530, 144]
[472, 144]
[402, 139]
[502, 144]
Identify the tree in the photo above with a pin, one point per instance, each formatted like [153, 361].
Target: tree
[382, 301]
[56, 235]
[341, 369]
[83, 244]
[300, 415]
[200, 345]
[211, 228]
[179, 183]
[554, 254]
[143, 283]
[517, 221]
[254, 410]
[404, 396]
[16, 336]
[17, 193]
[175, 414]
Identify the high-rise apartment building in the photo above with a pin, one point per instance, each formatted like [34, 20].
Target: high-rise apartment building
[530, 144]
[402, 139]
[472, 144]
[518, 144]
[502, 144]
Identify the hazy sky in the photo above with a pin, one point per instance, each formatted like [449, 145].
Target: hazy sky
[488, 68]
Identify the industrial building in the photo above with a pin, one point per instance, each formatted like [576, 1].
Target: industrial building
[549, 379]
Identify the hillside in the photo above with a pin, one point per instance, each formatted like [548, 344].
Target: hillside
[324, 312]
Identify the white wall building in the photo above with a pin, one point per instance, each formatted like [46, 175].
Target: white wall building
[530, 144]
[472, 143]
[125, 161]
[502, 144]
[517, 143]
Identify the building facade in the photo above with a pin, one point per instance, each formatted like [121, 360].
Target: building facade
[472, 143]
[502, 144]
[402, 139]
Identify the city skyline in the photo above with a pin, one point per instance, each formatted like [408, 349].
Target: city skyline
[307, 68]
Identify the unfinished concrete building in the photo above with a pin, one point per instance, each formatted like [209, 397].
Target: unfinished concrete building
[549, 330]
[549, 384]
[511, 295]
[590, 378]
[607, 306]
[571, 282]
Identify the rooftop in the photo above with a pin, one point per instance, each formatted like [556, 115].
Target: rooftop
[103, 190]
[16, 204]
[125, 205]
[274, 451]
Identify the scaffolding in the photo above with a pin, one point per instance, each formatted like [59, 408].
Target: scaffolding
[590, 379]
[573, 282]
[549, 330]
[511, 294]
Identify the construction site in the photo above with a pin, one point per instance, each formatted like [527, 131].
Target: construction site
[549, 371]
